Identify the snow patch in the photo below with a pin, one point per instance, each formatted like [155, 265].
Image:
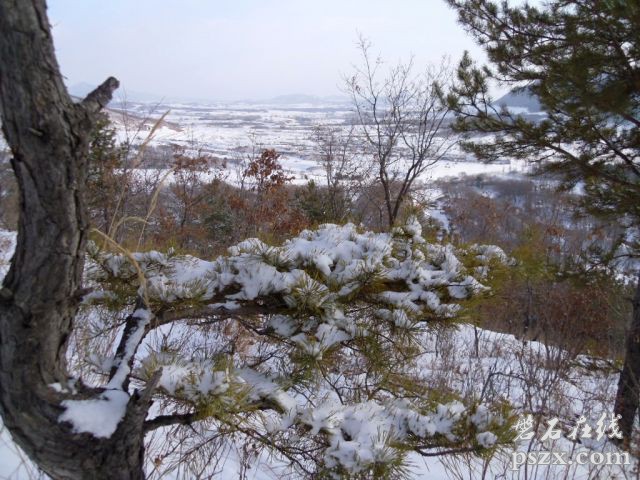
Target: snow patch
[99, 417]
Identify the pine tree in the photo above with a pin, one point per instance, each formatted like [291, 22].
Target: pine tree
[106, 179]
[581, 60]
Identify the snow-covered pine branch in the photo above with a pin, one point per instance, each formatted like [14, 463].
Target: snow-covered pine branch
[315, 338]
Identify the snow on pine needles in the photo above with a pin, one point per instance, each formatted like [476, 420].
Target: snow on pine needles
[316, 337]
[329, 353]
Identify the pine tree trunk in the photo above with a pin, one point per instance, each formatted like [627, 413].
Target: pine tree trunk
[48, 135]
[628, 395]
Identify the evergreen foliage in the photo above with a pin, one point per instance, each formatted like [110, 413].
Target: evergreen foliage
[106, 177]
[312, 347]
[580, 59]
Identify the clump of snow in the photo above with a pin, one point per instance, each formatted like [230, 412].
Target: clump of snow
[413, 228]
[486, 439]
[70, 386]
[100, 416]
[487, 253]
[362, 434]
[195, 380]
[282, 325]
[261, 386]
[192, 379]
[482, 417]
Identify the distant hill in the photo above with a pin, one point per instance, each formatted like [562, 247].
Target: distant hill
[81, 90]
[520, 99]
[300, 98]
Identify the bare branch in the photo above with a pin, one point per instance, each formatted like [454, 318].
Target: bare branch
[168, 420]
[101, 96]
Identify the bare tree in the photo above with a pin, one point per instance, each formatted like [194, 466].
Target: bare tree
[403, 117]
[338, 157]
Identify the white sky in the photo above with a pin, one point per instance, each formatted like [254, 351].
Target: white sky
[244, 49]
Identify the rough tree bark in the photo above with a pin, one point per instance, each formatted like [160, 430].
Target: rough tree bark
[628, 394]
[48, 135]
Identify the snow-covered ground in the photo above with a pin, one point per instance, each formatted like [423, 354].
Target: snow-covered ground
[225, 130]
[530, 376]
[220, 129]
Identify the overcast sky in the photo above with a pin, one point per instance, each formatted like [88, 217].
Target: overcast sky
[244, 49]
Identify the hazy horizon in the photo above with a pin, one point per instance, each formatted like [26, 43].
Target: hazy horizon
[245, 50]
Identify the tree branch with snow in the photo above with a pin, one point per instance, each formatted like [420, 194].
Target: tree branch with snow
[318, 338]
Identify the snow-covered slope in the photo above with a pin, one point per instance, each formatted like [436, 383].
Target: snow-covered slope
[530, 376]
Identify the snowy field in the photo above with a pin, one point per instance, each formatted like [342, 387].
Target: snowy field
[227, 130]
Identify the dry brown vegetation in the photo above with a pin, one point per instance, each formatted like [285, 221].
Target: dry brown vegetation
[562, 290]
